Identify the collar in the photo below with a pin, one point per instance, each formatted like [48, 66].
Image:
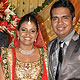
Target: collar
[68, 38]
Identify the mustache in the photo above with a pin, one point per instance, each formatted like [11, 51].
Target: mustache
[61, 26]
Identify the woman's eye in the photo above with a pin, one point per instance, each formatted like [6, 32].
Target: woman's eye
[23, 29]
[33, 31]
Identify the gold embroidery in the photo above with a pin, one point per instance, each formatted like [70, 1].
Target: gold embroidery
[37, 67]
[46, 59]
[5, 63]
[29, 71]
[10, 60]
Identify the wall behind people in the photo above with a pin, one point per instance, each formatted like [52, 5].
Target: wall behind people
[25, 6]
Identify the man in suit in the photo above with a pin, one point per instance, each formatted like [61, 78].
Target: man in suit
[4, 39]
[63, 19]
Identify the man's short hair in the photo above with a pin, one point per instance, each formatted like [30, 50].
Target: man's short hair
[63, 3]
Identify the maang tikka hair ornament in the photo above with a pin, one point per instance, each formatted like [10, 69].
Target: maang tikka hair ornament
[29, 22]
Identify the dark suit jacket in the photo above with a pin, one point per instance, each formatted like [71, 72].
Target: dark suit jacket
[4, 39]
[71, 62]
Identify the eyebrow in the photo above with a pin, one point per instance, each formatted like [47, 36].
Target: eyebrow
[65, 16]
[54, 17]
[61, 16]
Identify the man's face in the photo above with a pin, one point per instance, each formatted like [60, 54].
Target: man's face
[62, 22]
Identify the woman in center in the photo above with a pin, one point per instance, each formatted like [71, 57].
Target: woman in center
[26, 52]
[29, 60]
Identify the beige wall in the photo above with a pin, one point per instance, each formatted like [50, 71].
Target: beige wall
[26, 5]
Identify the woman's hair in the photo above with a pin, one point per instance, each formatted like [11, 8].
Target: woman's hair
[63, 3]
[28, 17]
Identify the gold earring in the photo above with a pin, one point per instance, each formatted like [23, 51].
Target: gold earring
[18, 37]
[35, 40]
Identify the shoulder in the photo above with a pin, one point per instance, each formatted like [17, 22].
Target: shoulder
[76, 36]
[4, 39]
[43, 51]
[3, 35]
[76, 39]
[51, 42]
[5, 51]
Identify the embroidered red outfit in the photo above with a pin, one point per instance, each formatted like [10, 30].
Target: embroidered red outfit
[14, 69]
[12, 66]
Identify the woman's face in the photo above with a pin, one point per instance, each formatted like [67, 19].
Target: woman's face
[27, 33]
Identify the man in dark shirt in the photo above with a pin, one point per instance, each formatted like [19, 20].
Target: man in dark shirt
[4, 39]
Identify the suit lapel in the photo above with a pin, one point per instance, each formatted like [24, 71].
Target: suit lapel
[70, 50]
[68, 54]
[53, 47]
[52, 59]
